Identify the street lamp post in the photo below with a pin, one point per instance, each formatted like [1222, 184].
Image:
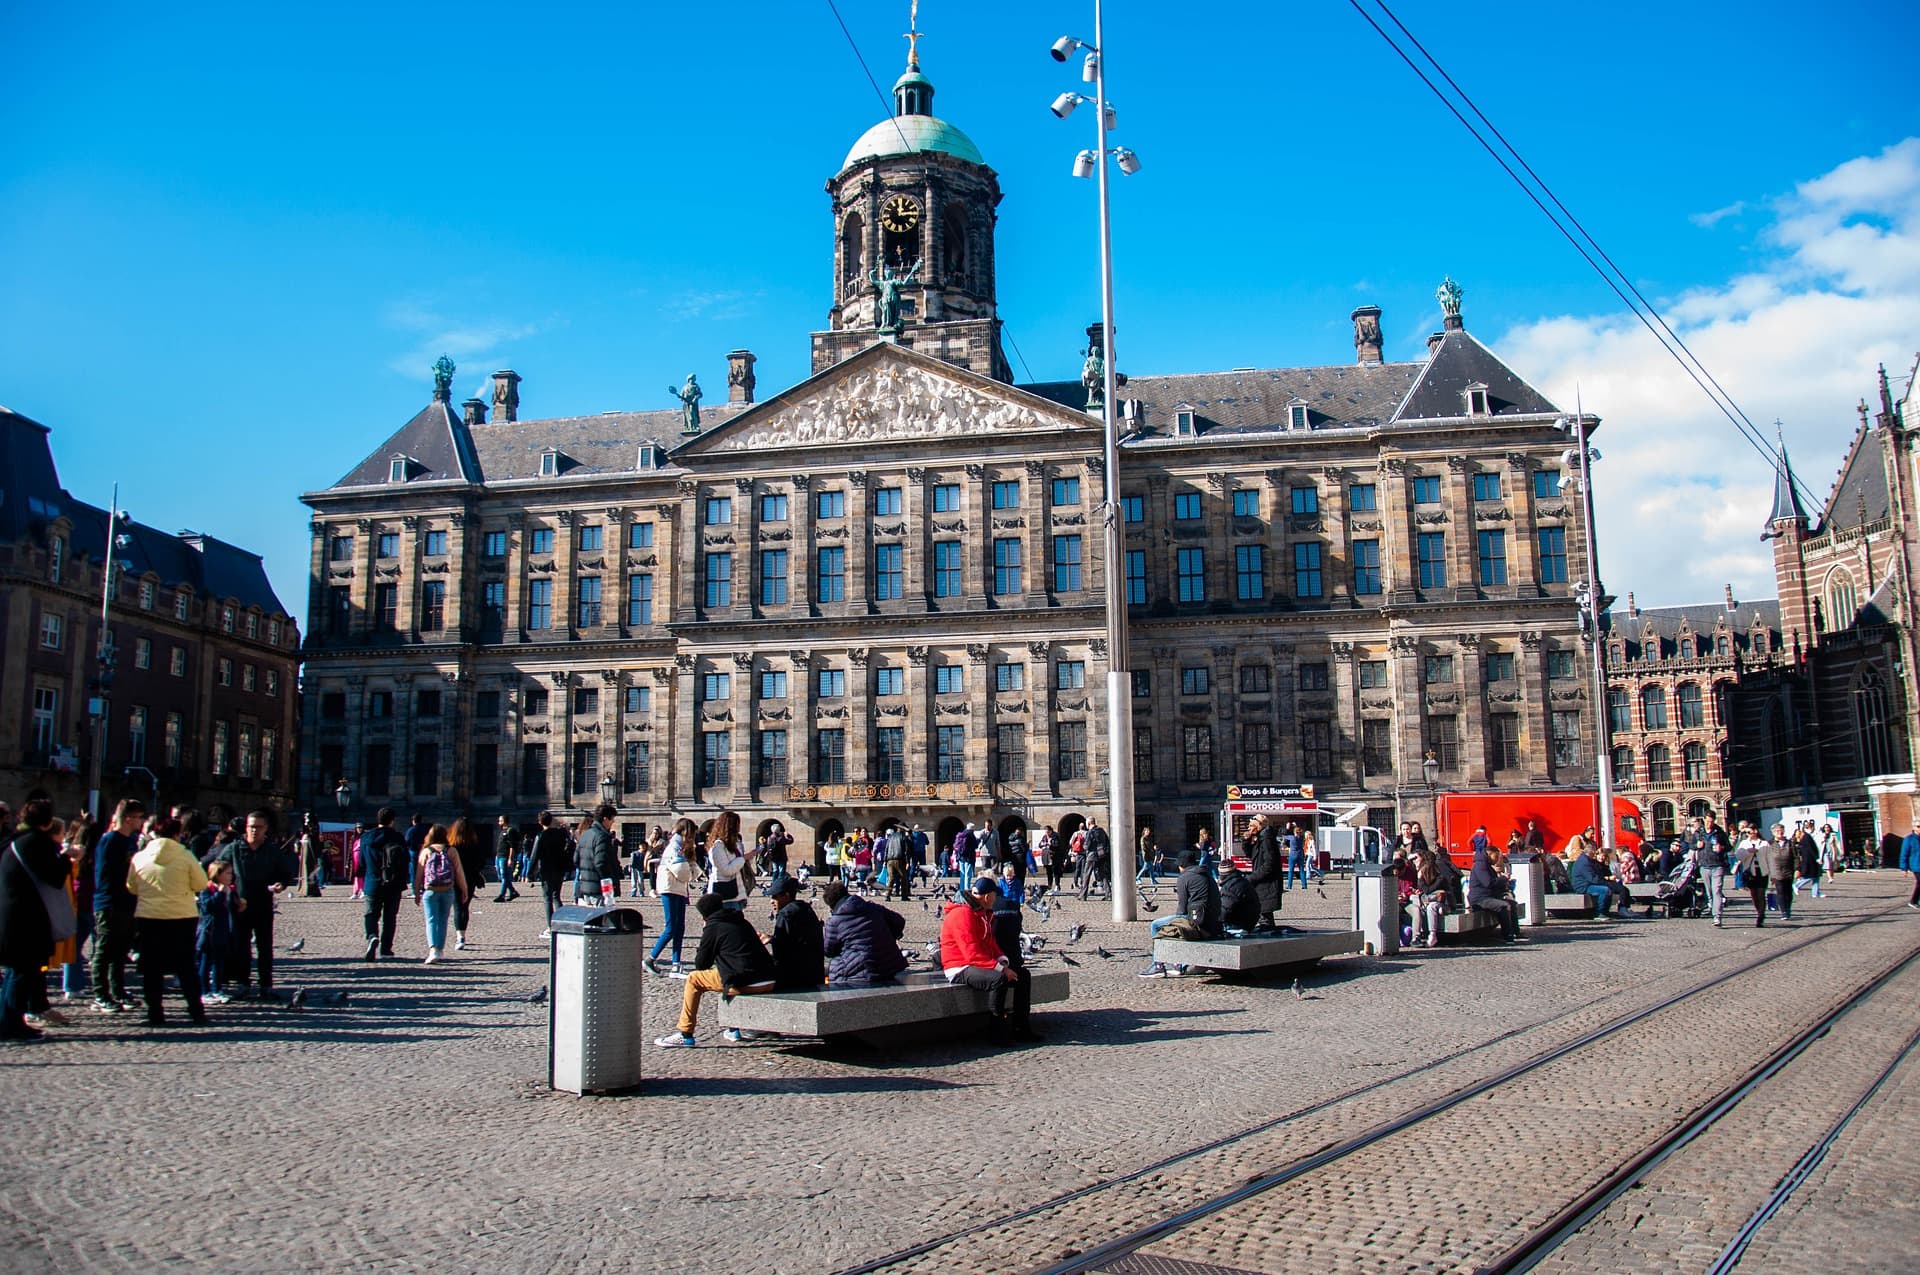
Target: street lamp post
[343, 794]
[108, 657]
[608, 790]
[1590, 621]
[1119, 674]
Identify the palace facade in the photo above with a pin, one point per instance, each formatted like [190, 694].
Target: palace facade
[878, 595]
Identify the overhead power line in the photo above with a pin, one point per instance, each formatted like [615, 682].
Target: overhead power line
[857, 56]
[1583, 242]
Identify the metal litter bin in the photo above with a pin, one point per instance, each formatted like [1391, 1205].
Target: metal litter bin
[1376, 908]
[593, 1001]
[1529, 886]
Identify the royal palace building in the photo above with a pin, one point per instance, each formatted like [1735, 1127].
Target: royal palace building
[879, 594]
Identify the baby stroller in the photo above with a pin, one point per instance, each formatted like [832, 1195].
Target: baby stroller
[1682, 893]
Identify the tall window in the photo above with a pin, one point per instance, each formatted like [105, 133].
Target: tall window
[1009, 677]
[1006, 567]
[830, 756]
[1376, 746]
[1250, 572]
[433, 606]
[387, 544]
[46, 717]
[1006, 495]
[1255, 679]
[636, 769]
[830, 584]
[1366, 567]
[1313, 677]
[339, 549]
[539, 604]
[946, 568]
[170, 736]
[1872, 727]
[1191, 565]
[1505, 742]
[1693, 757]
[137, 735]
[377, 781]
[773, 684]
[1306, 570]
[540, 540]
[716, 758]
[1196, 679]
[1622, 767]
[832, 683]
[268, 746]
[770, 755]
[1619, 709]
[1841, 600]
[1066, 491]
[1559, 664]
[889, 764]
[639, 535]
[716, 687]
[1659, 766]
[639, 701]
[1246, 502]
[1316, 749]
[1196, 754]
[1186, 505]
[886, 502]
[773, 507]
[1133, 508]
[1566, 738]
[1500, 666]
[426, 767]
[719, 511]
[1438, 670]
[386, 606]
[1426, 490]
[946, 498]
[493, 607]
[773, 577]
[1066, 564]
[586, 537]
[1553, 555]
[1653, 708]
[949, 753]
[220, 749]
[1256, 750]
[889, 680]
[719, 579]
[587, 602]
[1306, 500]
[1432, 546]
[1072, 750]
[1546, 483]
[1486, 486]
[640, 598]
[533, 770]
[586, 701]
[1493, 557]
[1373, 674]
[949, 679]
[1693, 713]
[889, 575]
[1010, 753]
[1362, 498]
[1136, 577]
[1143, 754]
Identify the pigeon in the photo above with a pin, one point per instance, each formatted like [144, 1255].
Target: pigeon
[1149, 905]
[297, 945]
[1069, 960]
[1297, 993]
[539, 996]
[925, 906]
[1317, 890]
[1077, 933]
[1103, 953]
[298, 1001]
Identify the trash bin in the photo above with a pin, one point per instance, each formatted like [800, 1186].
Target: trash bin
[1376, 908]
[1529, 886]
[593, 1001]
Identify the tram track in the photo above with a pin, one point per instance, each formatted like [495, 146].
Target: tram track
[1332, 1153]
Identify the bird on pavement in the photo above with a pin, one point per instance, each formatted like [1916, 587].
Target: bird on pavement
[1077, 933]
[296, 945]
[298, 1001]
[1103, 953]
[539, 996]
[1069, 960]
[1149, 905]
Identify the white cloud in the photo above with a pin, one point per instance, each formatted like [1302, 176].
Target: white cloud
[1682, 496]
[1708, 219]
[433, 334]
[721, 305]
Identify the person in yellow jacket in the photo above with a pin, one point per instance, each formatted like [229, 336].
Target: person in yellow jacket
[165, 879]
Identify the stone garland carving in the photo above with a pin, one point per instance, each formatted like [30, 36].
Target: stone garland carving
[542, 568]
[1366, 524]
[1070, 705]
[1550, 509]
[1010, 524]
[958, 524]
[1504, 697]
[832, 711]
[1443, 699]
[716, 715]
[830, 533]
[591, 564]
[586, 728]
[388, 573]
[1573, 696]
[917, 656]
[1069, 520]
[341, 573]
[891, 710]
[1376, 701]
[1006, 706]
[643, 560]
[953, 710]
[777, 537]
[1305, 523]
[775, 714]
[638, 726]
[717, 539]
[897, 529]
[1437, 518]
[436, 568]
[1500, 514]
[534, 728]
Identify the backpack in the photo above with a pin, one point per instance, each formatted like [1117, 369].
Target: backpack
[439, 868]
[392, 865]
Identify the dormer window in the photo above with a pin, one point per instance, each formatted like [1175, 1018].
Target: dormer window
[56, 558]
[1297, 414]
[648, 457]
[1477, 404]
[401, 468]
[1183, 422]
[549, 463]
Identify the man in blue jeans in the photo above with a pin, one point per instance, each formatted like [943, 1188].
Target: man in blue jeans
[1296, 855]
[1589, 880]
[1196, 898]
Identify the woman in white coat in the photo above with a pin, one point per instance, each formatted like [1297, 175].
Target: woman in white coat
[672, 881]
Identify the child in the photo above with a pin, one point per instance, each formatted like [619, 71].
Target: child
[219, 905]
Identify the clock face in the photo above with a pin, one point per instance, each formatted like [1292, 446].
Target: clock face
[899, 214]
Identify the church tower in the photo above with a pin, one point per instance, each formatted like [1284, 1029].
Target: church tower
[913, 216]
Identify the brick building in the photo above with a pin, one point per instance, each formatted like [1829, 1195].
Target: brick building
[204, 700]
[878, 594]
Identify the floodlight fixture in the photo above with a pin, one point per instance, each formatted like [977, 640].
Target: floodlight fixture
[1064, 46]
[1064, 104]
[1083, 164]
[1128, 161]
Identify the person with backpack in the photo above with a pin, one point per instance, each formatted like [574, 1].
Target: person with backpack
[552, 862]
[32, 873]
[1097, 850]
[389, 869]
[442, 882]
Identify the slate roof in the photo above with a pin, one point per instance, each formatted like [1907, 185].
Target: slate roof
[437, 443]
[605, 444]
[1786, 501]
[1863, 477]
[1462, 361]
[31, 497]
[1704, 617]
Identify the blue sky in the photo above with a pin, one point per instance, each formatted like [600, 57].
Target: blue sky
[233, 239]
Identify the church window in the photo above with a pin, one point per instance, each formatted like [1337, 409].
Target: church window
[1873, 726]
[1841, 600]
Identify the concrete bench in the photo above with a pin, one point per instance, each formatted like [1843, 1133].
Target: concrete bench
[1472, 921]
[851, 1011]
[1571, 905]
[1257, 951]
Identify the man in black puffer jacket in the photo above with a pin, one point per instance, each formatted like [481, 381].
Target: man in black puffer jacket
[862, 939]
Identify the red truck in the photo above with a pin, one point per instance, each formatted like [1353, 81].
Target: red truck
[1559, 813]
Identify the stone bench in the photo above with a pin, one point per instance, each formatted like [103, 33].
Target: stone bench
[1257, 951]
[1472, 921]
[1644, 891]
[851, 1011]
[1571, 905]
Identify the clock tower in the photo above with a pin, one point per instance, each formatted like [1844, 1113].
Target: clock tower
[913, 216]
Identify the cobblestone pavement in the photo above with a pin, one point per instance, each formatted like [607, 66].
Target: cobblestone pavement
[413, 1126]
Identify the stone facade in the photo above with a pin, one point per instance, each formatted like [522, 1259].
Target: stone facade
[879, 594]
[203, 702]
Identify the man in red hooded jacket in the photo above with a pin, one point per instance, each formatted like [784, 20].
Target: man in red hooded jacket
[969, 956]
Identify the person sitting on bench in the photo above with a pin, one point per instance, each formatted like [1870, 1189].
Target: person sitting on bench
[970, 957]
[1239, 905]
[1589, 878]
[1487, 892]
[731, 961]
[1429, 901]
[799, 961]
[862, 939]
[1196, 899]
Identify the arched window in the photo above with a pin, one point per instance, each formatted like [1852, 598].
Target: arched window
[1650, 647]
[1841, 603]
[1723, 645]
[1623, 768]
[1686, 648]
[1757, 643]
[1619, 709]
[1663, 818]
[1659, 766]
[1693, 760]
[1693, 714]
[1722, 703]
[1653, 707]
[1699, 808]
[853, 254]
[953, 247]
[1871, 726]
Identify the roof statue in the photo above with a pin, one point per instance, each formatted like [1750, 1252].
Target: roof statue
[689, 396]
[1093, 375]
[888, 284]
[443, 378]
[1450, 293]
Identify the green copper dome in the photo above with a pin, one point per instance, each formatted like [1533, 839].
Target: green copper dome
[921, 133]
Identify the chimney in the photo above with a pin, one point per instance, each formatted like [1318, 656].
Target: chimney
[1366, 334]
[1433, 343]
[506, 396]
[1731, 604]
[475, 411]
[1633, 608]
[740, 376]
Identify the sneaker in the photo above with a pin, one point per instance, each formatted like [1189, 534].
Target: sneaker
[35, 1021]
[653, 964]
[1155, 970]
[101, 1005]
[676, 1041]
[735, 1035]
[217, 998]
[460, 943]
[433, 954]
[373, 949]
[678, 971]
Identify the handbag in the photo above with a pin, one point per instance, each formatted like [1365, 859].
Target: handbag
[724, 890]
[55, 899]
